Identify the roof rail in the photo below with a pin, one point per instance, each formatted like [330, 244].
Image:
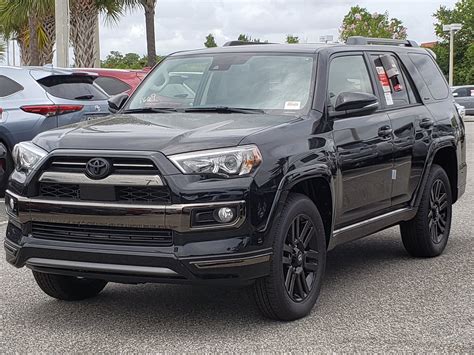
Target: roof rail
[242, 43]
[359, 40]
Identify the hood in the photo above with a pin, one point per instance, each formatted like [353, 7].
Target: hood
[169, 133]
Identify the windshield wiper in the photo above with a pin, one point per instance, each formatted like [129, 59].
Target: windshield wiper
[150, 110]
[224, 109]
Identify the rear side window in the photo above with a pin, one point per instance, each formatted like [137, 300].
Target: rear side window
[431, 75]
[112, 86]
[8, 86]
[72, 87]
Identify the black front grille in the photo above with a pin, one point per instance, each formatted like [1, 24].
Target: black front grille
[122, 194]
[146, 194]
[102, 234]
[60, 191]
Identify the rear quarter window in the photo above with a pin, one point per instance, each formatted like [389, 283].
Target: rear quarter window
[8, 86]
[112, 86]
[72, 87]
[431, 74]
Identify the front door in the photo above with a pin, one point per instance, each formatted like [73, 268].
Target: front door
[364, 146]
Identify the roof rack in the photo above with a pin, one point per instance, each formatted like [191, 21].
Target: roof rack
[360, 41]
[242, 43]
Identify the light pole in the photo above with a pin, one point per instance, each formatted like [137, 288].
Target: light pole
[62, 33]
[452, 29]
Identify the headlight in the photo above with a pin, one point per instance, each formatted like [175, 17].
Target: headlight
[226, 162]
[26, 156]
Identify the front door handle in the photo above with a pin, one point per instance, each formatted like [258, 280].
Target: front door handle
[385, 131]
[426, 123]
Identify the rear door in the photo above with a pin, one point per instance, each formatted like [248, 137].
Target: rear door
[412, 127]
[76, 89]
[363, 143]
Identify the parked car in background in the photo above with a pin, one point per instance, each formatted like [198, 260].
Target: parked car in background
[2, 160]
[117, 81]
[461, 110]
[464, 96]
[36, 99]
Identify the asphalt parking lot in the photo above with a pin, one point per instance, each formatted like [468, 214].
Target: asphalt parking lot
[375, 298]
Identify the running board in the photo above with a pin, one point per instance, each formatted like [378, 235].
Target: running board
[370, 226]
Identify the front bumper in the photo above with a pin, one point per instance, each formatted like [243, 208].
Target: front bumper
[227, 253]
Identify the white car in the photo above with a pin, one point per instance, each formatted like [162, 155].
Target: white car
[461, 110]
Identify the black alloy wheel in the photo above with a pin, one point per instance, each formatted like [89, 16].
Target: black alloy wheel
[438, 214]
[300, 259]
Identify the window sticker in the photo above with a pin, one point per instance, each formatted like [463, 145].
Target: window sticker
[472, 92]
[388, 98]
[383, 78]
[292, 105]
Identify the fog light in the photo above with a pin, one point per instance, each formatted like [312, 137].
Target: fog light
[225, 214]
[11, 202]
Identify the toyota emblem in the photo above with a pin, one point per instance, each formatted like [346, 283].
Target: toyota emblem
[98, 168]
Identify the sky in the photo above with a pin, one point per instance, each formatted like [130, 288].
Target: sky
[184, 24]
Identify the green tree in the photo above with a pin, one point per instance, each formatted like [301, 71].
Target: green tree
[246, 38]
[117, 60]
[359, 22]
[463, 13]
[290, 39]
[210, 41]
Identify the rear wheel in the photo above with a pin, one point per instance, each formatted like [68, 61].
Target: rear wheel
[68, 288]
[298, 262]
[427, 234]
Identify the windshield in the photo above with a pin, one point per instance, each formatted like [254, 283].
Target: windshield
[279, 83]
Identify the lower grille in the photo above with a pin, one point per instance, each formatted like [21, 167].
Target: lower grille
[122, 194]
[102, 234]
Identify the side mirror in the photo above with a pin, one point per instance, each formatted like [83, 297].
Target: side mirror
[117, 102]
[355, 104]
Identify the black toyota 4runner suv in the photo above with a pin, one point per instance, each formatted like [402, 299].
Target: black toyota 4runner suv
[243, 165]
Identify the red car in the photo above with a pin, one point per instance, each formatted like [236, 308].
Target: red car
[117, 81]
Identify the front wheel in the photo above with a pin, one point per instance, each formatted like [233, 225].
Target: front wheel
[427, 234]
[68, 288]
[298, 262]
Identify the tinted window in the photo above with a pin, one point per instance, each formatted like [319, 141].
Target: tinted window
[431, 75]
[395, 96]
[112, 86]
[72, 87]
[348, 74]
[8, 86]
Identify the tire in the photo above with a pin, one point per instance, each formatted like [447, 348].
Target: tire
[8, 170]
[426, 235]
[68, 288]
[297, 269]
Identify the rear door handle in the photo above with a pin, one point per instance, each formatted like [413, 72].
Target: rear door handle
[426, 123]
[385, 131]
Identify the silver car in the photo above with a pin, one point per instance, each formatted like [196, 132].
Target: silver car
[33, 100]
[464, 96]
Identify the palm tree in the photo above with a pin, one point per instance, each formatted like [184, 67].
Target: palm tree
[2, 51]
[149, 8]
[35, 34]
[84, 16]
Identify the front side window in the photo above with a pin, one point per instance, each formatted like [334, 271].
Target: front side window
[273, 83]
[348, 74]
